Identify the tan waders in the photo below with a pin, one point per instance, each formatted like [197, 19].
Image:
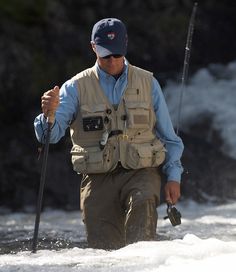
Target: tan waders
[119, 207]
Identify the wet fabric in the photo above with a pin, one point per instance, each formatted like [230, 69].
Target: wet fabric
[119, 207]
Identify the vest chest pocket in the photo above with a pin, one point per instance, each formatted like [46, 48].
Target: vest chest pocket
[91, 124]
[92, 110]
[92, 159]
[92, 117]
[145, 155]
[139, 115]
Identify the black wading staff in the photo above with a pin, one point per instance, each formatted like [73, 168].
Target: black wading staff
[50, 121]
[186, 63]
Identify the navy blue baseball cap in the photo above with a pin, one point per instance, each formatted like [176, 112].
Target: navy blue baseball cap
[110, 37]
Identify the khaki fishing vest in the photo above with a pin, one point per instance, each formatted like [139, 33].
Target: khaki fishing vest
[103, 135]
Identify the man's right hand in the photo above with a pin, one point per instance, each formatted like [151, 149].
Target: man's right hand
[50, 101]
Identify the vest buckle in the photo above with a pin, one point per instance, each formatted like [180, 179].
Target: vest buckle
[124, 137]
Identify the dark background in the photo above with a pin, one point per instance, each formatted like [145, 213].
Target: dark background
[43, 43]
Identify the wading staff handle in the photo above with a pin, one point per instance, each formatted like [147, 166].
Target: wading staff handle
[51, 117]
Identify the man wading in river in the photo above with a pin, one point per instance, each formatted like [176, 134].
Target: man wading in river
[121, 133]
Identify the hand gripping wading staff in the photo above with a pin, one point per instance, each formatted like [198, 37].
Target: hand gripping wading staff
[50, 121]
[186, 63]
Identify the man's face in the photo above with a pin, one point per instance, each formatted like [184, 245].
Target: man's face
[112, 64]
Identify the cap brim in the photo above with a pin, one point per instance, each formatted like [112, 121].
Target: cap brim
[106, 51]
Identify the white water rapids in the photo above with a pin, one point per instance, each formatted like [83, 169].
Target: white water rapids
[205, 240]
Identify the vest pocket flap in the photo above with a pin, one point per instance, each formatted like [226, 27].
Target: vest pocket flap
[92, 154]
[141, 155]
[150, 150]
[138, 115]
[92, 160]
[78, 158]
[137, 105]
[144, 151]
[92, 108]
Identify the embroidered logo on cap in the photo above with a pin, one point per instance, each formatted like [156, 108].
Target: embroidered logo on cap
[111, 35]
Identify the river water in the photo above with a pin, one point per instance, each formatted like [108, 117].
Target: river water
[205, 240]
[58, 229]
[62, 229]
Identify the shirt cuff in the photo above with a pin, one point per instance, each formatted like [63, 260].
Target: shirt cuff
[174, 171]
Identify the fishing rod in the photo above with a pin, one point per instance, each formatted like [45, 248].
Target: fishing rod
[50, 121]
[186, 63]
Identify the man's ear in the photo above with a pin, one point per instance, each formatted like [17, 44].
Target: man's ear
[93, 46]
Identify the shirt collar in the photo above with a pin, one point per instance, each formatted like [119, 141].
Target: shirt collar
[103, 74]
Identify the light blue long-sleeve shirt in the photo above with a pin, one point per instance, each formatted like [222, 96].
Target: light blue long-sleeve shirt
[68, 108]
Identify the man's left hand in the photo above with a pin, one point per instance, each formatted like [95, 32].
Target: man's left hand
[172, 191]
